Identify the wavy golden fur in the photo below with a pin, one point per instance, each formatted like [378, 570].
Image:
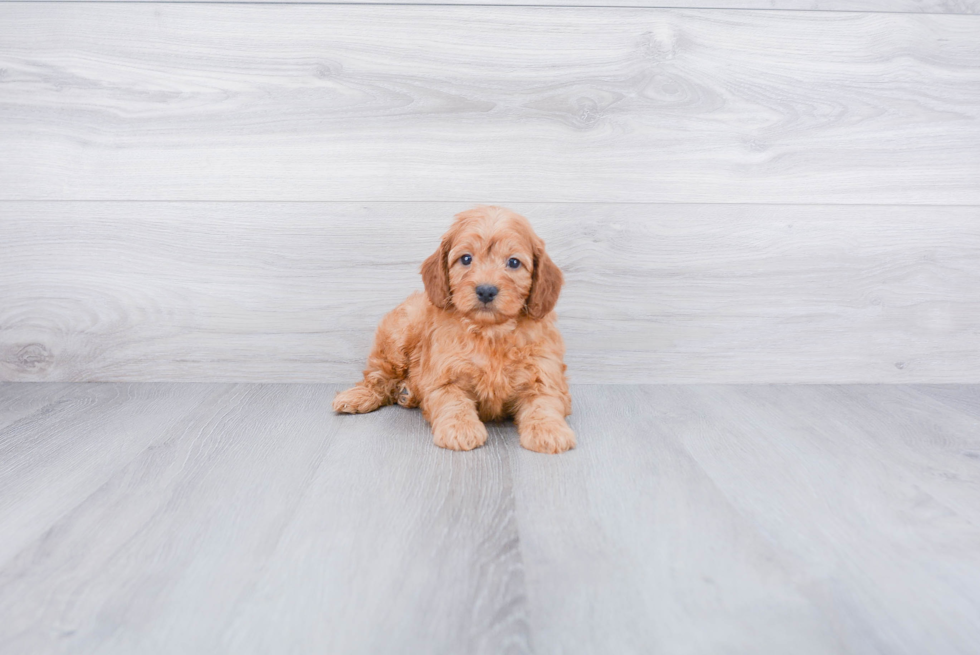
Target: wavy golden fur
[480, 344]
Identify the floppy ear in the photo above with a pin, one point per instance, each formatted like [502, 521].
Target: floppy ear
[546, 281]
[435, 276]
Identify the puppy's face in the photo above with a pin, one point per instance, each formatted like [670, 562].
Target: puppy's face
[491, 267]
[490, 272]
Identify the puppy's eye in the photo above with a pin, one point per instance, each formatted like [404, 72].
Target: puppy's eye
[513, 262]
[466, 260]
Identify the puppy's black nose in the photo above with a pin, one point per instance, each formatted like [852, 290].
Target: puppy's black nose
[486, 292]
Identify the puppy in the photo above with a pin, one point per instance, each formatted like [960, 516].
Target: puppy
[480, 344]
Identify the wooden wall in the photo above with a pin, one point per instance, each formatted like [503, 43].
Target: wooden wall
[207, 191]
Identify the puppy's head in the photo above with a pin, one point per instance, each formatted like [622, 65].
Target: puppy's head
[491, 266]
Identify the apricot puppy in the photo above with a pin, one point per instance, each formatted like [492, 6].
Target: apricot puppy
[480, 344]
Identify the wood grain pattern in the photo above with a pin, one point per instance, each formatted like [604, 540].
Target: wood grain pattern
[336, 102]
[901, 6]
[18, 401]
[698, 519]
[870, 540]
[630, 547]
[680, 293]
[754, 519]
[962, 398]
[268, 523]
[920, 439]
[54, 461]
[399, 533]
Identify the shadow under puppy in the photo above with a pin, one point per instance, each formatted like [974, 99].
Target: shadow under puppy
[481, 344]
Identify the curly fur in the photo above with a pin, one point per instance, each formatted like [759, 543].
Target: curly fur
[464, 361]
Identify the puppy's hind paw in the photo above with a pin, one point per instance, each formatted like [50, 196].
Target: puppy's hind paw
[406, 398]
[357, 400]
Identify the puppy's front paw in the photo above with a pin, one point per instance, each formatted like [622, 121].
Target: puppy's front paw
[547, 436]
[357, 400]
[459, 433]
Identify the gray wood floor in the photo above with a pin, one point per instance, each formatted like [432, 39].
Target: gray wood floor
[197, 518]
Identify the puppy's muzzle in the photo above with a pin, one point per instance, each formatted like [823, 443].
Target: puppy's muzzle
[486, 293]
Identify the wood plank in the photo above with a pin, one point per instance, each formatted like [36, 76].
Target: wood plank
[906, 6]
[55, 461]
[891, 567]
[963, 398]
[413, 549]
[19, 401]
[337, 102]
[679, 293]
[629, 547]
[916, 439]
[268, 522]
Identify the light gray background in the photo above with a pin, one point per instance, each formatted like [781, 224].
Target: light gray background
[239, 192]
